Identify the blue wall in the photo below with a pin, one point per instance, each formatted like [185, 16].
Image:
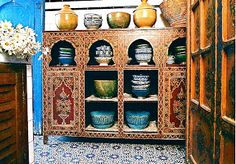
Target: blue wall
[29, 13]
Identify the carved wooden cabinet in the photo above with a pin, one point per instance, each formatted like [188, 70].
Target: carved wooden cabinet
[68, 90]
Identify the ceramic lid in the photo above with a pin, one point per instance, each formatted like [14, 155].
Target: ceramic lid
[66, 10]
[144, 5]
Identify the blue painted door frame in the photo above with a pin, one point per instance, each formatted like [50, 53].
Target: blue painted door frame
[29, 13]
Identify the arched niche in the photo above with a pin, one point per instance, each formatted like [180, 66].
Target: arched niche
[93, 49]
[178, 49]
[131, 51]
[55, 52]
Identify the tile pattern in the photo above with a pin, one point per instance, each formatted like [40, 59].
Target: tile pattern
[59, 151]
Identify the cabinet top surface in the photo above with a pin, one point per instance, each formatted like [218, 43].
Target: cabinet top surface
[119, 29]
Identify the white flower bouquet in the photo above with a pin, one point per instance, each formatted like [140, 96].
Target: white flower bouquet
[18, 41]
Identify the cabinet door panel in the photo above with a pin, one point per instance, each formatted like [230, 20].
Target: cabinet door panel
[61, 109]
[175, 102]
[228, 19]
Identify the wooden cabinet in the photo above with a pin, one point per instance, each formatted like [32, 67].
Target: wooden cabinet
[69, 91]
[13, 114]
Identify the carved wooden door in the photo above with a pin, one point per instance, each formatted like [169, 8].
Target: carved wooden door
[211, 86]
[61, 104]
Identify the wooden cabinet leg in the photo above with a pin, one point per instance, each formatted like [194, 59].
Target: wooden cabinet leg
[45, 139]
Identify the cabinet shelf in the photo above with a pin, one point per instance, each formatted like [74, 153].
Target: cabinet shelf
[140, 67]
[152, 128]
[114, 128]
[98, 68]
[93, 98]
[129, 98]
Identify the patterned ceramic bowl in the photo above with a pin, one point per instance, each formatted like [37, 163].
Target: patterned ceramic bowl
[141, 77]
[103, 61]
[105, 88]
[137, 119]
[102, 119]
[144, 58]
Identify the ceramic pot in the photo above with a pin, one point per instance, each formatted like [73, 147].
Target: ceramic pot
[105, 89]
[137, 119]
[145, 15]
[66, 19]
[102, 119]
[118, 19]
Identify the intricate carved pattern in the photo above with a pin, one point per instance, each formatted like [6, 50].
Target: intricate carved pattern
[174, 106]
[63, 106]
[72, 79]
[179, 107]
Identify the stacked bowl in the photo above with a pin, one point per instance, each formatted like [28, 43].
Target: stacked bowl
[66, 56]
[103, 55]
[180, 54]
[140, 86]
[92, 21]
[143, 54]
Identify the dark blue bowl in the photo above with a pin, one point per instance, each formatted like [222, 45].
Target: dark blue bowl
[65, 60]
[141, 93]
[137, 119]
[102, 119]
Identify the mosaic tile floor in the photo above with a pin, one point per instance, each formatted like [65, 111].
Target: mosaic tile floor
[59, 151]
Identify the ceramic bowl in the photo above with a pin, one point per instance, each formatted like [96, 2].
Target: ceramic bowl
[144, 58]
[102, 119]
[142, 86]
[180, 58]
[141, 93]
[92, 21]
[137, 82]
[141, 77]
[103, 61]
[64, 60]
[105, 89]
[118, 19]
[137, 119]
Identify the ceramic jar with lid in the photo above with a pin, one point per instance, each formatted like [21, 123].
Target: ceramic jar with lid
[145, 15]
[66, 19]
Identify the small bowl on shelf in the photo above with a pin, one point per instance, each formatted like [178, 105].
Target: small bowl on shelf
[103, 61]
[137, 82]
[141, 93]
[140, 86]
[65, 60]
[137, 119]
[102, 119]
[118, 19]
[141, 77]
[105, 89]
[180, 58]
[92, 21]
[143, 58]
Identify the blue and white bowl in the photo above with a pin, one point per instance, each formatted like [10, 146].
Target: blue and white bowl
[143, 58]
[141, 77]
[137, 119]
[102, 119]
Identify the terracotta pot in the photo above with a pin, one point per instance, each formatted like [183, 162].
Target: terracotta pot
[145, 15]
[66, 19]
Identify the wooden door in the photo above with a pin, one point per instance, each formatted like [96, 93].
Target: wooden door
[13, 114]
[211, 65]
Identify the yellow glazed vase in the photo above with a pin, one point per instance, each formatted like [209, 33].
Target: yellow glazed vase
[145, 15]
[66, 19]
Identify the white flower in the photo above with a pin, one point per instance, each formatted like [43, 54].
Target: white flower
[19, 41]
